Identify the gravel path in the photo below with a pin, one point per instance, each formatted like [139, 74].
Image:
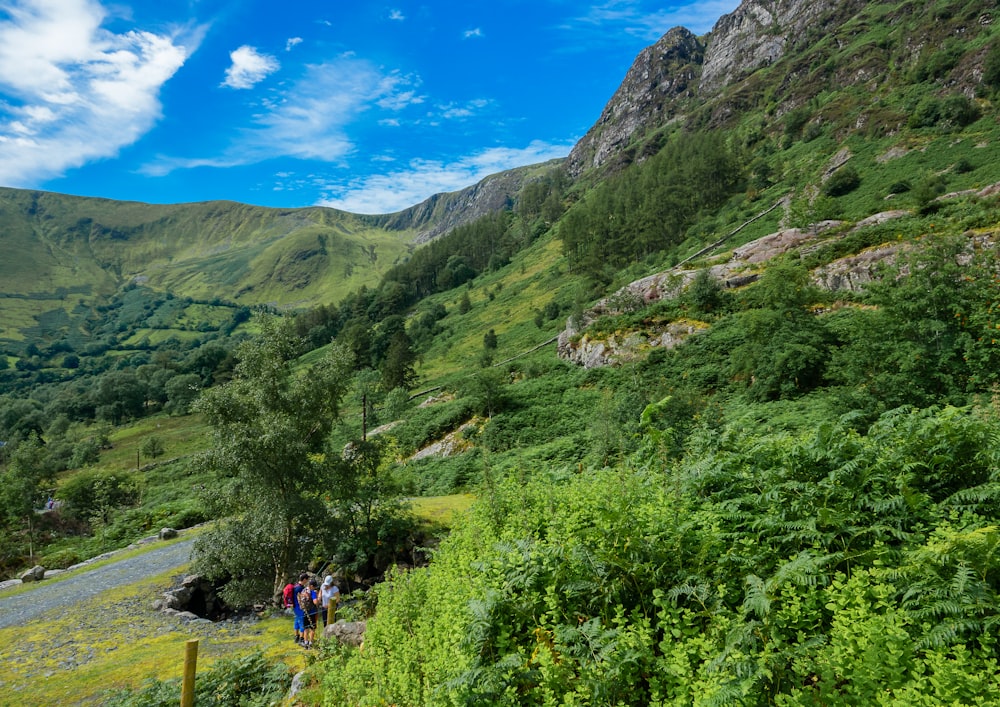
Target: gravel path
[58, 595]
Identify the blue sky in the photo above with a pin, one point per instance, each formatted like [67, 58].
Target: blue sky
[366, 107]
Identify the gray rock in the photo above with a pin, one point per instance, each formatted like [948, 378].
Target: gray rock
[298, 682]
[167, 533]
[349, 633]
[660, 76]
[35, 574]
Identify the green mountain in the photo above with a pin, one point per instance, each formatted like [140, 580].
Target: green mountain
[66, 255]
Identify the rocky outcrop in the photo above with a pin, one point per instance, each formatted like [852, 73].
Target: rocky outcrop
[443, 212]
[626, 346]
[757, 34]
[35, 574]
[682, 71]
[660, 75]
[850, 273]
[854, 272]
[451, 444]
[195, 598]
[349, 633]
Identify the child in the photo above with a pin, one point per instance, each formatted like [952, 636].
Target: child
[309, 603]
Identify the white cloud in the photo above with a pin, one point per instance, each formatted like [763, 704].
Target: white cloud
[308, 120]
[72, 92]
[292, 42]
[395, 191]
[396, 15]
[453, 111]
[632, 17]
[249, 67]
[472, 33]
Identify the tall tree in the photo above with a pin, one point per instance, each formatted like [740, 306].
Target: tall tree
[270, 425]
[23, 486]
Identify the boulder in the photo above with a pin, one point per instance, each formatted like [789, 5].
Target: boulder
[35, 574]
[349, 633]
[177, 598]
[167, 533]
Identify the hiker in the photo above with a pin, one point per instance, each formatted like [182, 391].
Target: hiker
[329, 592]
[299, 622]
[309, 604]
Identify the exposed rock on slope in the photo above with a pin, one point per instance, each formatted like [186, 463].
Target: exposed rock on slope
[662, 73]
[443, 212]
[848, 273]
[680, 66]
[756, 34]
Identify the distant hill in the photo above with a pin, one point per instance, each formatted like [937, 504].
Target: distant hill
[65, 254]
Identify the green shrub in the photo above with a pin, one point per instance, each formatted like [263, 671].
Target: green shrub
[60, 559]
[949, 113]
[91, 493]
[241, 681]
[843, 181]
[900, 187]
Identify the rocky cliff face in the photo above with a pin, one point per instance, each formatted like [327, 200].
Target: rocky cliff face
[650, 94]
[756, 34]
[680, 67]
[443, 212]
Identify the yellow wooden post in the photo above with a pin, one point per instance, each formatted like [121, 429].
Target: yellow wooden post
[331, 610]
[190, 667]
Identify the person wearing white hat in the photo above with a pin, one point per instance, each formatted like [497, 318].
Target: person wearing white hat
[329, 592]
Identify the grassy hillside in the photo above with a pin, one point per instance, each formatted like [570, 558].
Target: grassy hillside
[65, 254]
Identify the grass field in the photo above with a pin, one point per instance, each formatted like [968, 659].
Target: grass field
[112, 643]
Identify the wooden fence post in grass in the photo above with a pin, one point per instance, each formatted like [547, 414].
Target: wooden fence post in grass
[190, 666]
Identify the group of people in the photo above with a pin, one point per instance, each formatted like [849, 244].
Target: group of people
[310, 602]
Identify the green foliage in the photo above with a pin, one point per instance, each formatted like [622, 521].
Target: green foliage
[152, 447]
[932, 338]
[270, 426]
[365, 508]
[950, 113]
[249, 680]
[96, 493]
[759, 569]
[485, 390]
[843, 181]
[648, 208]
[991, 66]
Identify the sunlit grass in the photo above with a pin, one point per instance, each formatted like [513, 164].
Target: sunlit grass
[117, 641]
[441, 509]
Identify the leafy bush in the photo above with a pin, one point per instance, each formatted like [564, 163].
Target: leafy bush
[900, 187]
[843, 181]
[831, 566]
[241, 681]
[949, 113]
[91, 493]
[60, 559]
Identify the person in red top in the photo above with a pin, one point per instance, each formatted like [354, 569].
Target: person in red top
[297, 609]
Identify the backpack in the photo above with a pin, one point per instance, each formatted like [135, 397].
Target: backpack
[288, 595]
[306, 602]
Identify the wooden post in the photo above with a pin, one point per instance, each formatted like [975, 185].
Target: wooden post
[190, 666]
